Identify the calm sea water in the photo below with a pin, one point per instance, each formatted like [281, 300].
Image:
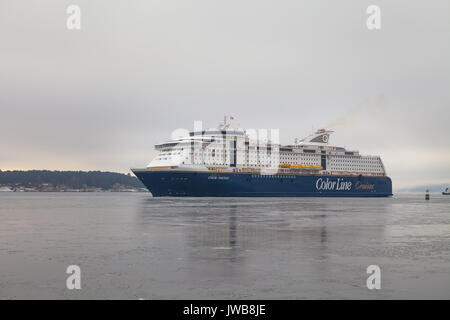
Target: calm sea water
[133, 246]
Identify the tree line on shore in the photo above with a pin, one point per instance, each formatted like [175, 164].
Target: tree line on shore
[70, 179]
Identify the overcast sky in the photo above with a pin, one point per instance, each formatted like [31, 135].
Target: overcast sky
[100, 97]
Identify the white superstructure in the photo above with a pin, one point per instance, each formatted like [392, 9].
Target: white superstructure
[237, 150]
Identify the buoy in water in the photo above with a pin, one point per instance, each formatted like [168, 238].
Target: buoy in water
[427, 195]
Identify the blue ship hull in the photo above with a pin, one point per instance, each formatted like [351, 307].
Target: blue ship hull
[209, 184]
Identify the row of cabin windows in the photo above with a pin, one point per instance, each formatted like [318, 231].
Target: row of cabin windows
[356, 169]
[272, 176]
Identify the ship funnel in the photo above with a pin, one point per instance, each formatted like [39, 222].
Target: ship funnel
[321, 137]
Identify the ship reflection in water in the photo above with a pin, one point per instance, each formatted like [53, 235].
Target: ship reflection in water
[281, 248]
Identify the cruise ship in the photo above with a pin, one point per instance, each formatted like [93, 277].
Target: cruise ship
[232, 162]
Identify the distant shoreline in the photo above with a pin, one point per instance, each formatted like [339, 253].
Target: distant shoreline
[68, 181]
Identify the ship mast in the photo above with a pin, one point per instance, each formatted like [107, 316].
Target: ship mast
[225, 125]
